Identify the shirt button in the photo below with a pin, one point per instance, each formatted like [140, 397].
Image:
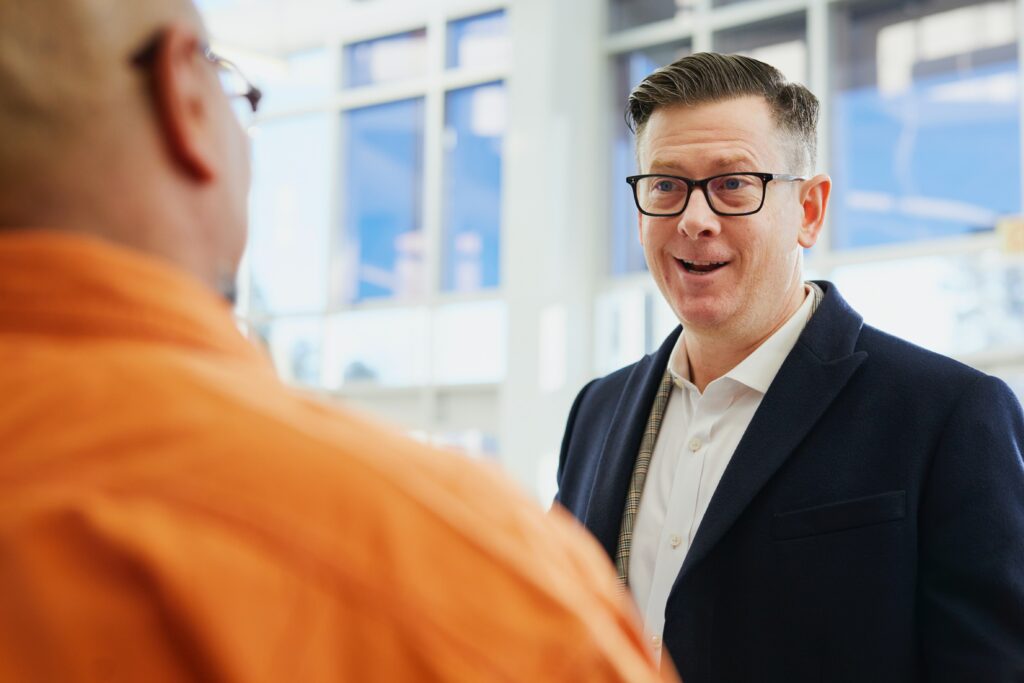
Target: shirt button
[656, 642]
[675, 540]
[695, 444]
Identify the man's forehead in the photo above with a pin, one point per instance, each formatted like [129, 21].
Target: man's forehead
[735, 117]
[727, 160]
[717, 135]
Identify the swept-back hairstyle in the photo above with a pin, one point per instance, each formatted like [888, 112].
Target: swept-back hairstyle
[711, 77]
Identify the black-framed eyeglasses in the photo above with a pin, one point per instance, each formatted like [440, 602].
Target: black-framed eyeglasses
[234, 82]
[727, 194]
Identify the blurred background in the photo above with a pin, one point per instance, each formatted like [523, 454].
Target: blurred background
[441, 233]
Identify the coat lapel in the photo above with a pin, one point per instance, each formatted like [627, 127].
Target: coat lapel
[608, 497]
[812, 376]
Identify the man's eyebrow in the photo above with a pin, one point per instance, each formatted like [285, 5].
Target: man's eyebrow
[732, 162]
[666, 166]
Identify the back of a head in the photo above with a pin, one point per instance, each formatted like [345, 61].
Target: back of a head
[707, 77]
[115, 125]
[65, 74]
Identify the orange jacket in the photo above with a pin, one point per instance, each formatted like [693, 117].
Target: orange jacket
[169, 511]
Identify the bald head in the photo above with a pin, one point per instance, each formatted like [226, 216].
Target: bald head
[65, 76]
[145, 152]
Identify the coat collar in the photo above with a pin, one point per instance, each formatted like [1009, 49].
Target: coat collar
[810, 378]
[608, 497]
[75, 286]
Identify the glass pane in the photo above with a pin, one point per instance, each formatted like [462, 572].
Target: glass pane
[381, 250]
[779, 42]
[470, 342]
[297, 80]
[629, 13]
[295, 345]
[661, 320]
[926, 129]
[955, 305]
[619, 323]
[478, 41]
[626, 254]
[381, 60]
[290, 214]
[380, 347]
[474, 132]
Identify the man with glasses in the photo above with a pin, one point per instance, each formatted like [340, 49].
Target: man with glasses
[169, 511]
[789, 494]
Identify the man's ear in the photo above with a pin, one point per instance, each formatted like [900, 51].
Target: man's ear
[181, 87]
[814, 194]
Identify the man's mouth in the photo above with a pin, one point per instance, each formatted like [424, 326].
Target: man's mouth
[701, 267]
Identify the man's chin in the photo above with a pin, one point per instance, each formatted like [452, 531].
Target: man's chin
[703, 316]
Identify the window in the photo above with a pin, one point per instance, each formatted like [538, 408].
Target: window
[383, 60]
[290, 216]
[383, 348]
[468, 343]
[301, 79]
[957, 305]
[478, 41]
[780, 42]
[382, 248]
[926, 121]
[373, 265]
[629, 13]
[474, 132]
[296, 347]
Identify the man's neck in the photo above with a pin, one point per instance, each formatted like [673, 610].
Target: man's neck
[713, 353]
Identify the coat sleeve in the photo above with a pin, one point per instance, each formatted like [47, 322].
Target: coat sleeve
[567, 437]
[971, 590]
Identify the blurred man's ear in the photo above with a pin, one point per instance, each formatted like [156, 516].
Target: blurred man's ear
[181, 88]
[814, 194]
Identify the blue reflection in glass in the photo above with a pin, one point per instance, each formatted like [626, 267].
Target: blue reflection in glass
[290, 215]
[472, 187]
[382, 150]
[941, 158]
[382, 60]
[478, 41]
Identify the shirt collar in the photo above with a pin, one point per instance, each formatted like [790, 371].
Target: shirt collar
[70, 285]
[757, 370]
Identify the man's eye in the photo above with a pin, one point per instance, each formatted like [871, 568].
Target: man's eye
[733, 183]
[665, 186]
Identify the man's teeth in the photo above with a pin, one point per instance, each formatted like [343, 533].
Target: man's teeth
[702, 266]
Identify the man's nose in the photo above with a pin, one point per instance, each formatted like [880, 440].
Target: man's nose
[699, 220]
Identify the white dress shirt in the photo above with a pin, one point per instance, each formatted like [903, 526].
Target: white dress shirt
[699, 433]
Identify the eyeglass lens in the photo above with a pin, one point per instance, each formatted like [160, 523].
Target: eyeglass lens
[735, 193]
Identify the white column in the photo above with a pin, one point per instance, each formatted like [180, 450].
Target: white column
[554, 217]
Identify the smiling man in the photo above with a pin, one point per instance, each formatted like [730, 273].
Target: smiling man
[789, 494]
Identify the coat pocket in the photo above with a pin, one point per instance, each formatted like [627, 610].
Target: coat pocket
[840, 516]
